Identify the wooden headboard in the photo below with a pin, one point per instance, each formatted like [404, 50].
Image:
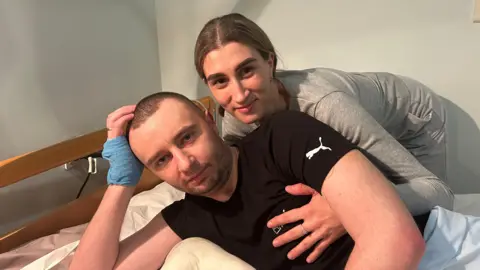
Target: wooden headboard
[79, 211]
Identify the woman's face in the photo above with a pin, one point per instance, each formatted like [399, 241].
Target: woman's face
[241, 81]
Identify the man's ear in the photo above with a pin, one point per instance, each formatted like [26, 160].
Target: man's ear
[209, 118]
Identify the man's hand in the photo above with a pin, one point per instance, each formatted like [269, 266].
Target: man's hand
[125, 169]
[118, 119]
[319, 219]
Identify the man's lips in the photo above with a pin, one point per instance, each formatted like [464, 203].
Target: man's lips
[197, 177]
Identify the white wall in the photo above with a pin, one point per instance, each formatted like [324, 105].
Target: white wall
[178, 24]
[433, 41]
[64, 65]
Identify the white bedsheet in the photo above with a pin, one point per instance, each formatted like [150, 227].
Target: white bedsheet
[142, 208]
[146, 205]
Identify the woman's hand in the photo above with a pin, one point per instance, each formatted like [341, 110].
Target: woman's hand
[319, 222]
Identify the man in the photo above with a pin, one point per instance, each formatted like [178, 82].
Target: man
[233, 191]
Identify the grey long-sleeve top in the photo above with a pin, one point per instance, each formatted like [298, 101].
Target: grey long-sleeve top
[374, 111]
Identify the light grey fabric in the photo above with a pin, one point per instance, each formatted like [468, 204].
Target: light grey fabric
[397, 121]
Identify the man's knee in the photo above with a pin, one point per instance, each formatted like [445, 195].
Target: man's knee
[200, 253]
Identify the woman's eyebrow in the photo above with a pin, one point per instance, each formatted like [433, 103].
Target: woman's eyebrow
[245, 62]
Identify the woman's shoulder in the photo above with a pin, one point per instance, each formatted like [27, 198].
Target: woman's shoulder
[308, 87]
[313, 84]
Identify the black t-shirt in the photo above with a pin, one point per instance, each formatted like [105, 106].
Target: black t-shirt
[290, 147]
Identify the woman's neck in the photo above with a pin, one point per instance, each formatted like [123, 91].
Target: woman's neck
[282, 98]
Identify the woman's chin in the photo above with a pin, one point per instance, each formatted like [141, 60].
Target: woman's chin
[248, 118]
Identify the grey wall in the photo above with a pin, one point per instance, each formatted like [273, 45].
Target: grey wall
[434, 41]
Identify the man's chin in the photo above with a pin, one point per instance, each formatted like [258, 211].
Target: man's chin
[201, 190]
[208, 188]
[198, 191]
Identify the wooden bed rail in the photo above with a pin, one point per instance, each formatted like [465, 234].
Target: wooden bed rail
[77, 212]
[21, 167]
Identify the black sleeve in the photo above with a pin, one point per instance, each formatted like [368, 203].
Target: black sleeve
[303, 147]
[176, 217]
[180, 215]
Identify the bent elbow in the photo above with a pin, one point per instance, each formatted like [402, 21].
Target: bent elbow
[445, 197]
[412, 248]
[449, 197]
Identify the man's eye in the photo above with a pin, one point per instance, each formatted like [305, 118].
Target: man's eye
[188, 138]
[163, 160]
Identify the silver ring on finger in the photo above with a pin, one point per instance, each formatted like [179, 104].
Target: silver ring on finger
[305, 232]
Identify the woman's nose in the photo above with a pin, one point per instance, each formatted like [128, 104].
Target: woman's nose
[240, 94]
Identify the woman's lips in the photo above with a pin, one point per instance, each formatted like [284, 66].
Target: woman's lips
[246, 109]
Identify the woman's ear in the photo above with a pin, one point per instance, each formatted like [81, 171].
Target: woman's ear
[271, 62]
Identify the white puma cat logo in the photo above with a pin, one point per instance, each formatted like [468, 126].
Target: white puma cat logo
[314, 151]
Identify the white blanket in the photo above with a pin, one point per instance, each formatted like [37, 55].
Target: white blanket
[142, 208]
[146, 205]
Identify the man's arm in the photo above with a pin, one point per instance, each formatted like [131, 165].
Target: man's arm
[385, 234]
[100, 248]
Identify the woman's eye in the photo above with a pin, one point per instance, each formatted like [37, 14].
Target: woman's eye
[247, 72]
[220, 83]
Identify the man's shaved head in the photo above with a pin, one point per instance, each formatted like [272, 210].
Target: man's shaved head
[147, 106]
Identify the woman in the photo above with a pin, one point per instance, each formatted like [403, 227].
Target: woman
[397, 121]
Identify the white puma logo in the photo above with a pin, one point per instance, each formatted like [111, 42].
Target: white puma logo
[314, 151]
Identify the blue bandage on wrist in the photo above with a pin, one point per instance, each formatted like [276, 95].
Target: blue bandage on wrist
[125, 169]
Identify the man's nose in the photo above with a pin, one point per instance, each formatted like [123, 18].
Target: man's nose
[185, 162]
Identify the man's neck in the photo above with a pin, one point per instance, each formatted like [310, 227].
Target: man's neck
[227, 190]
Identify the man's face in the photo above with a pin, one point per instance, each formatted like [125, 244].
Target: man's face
[181, 147]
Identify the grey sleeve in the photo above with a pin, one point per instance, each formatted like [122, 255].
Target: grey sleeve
[419, 189]
[233, 129]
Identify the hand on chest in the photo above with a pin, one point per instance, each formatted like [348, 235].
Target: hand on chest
[246, 215]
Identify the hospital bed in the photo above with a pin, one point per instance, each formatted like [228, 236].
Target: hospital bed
[49, 242]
